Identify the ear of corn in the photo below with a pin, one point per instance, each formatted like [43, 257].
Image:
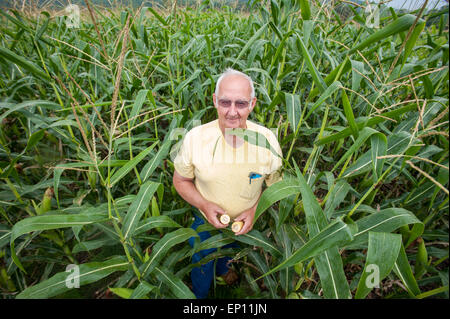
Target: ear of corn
[225, 219]
[237, 226]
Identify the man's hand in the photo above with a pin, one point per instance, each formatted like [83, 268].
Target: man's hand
[247, 217]
[213, 212]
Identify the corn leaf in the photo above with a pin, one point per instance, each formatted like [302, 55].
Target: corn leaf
[215, 241]
[163, 245]
[329, 263]
[155, 222]
[294, 109]
[382, 253]
[276, 192]
[335, 234]
[138, 207]
[349, 115]
[255, 238]
[386, 220]
[317, 78]
[45, 222]
[131, 164]
[399, 25]
[403, 271]
[150, 167]
[175, 284]
[378, 143]
[142, 290]
[88, 273]
[24, 63]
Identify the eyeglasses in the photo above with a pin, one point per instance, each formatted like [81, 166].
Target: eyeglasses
[240, 104]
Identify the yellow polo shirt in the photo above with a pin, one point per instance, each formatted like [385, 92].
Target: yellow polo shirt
[221, 172]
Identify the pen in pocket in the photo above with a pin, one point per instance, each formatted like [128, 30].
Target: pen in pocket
[253, 175]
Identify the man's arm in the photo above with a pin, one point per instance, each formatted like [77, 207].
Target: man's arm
[187, 190]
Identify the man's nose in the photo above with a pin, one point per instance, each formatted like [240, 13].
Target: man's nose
[233, 110]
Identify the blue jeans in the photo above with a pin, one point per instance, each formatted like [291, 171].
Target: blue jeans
[202, 276]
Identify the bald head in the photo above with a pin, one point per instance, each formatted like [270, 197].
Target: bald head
[235, 76]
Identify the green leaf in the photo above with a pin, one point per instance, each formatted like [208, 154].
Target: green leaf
[337, 195]
[255, 238]
[175, 284]
[124, 293]
[382, 253]
[379, 146]
[155, 222]
[88, 273]
[329, 263]
[215, 241]
[163, 245]
[397, 26]
[150, 167]
[372, 121]
[308, 27]
[323, 97]
[364, 134]
[161, 19]
[305, 10]
[93, 244]
[357, 74]
[293, 108]
[286, 206]
[433, 292]
[335, 234]
[138, 207]
[183, 84]
[5, 233]
[27, 104]
[45, 222]
[34, 139]
[249, 43]
[44, 27]
[261, 263]
[317, 78]
[332, 277]
[24, 63]
[403, 271]
[130, 165]
[140, 99]
[349, 115]
[142, 290]
[386, 220]
[413, 39]
[274, 193]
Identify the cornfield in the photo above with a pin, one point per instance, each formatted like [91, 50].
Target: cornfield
[92, 115]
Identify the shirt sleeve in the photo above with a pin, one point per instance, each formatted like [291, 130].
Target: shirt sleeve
[183, 160]
[275, 162]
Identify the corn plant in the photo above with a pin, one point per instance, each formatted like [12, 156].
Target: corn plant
[92, 116]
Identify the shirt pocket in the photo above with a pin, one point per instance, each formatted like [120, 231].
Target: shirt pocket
[250, 190]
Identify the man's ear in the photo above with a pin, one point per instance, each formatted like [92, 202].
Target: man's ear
[253, 103]
[214, 100]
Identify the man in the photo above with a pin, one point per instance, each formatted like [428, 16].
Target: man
[220, 173]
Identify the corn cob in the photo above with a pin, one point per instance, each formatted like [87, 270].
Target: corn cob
[225, 219]
[237, 226]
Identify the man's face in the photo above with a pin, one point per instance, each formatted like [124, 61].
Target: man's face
[234, 102]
